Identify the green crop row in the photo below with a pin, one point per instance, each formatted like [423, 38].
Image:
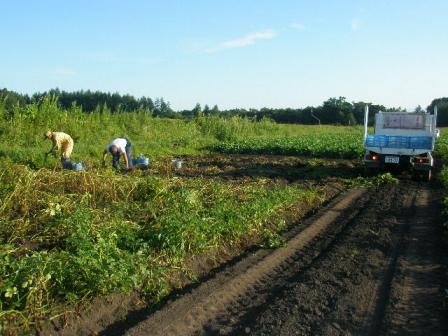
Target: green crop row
[441, 150]
[342, 145]
[314, 142]
[442, 154]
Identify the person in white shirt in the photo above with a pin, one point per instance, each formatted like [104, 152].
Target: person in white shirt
[119, 147]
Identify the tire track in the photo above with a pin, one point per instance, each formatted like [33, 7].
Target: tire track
[190, 313]
[332, 295]
[417, 304]
[341, 275]
[367, 282]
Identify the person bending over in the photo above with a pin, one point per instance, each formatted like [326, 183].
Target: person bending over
[62, 142]
[119, 147]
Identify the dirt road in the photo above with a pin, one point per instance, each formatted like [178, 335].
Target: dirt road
[369, 263]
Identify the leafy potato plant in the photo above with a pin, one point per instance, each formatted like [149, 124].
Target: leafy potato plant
[343, 145]
[69, 236]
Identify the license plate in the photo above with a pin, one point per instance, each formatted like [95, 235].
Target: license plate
[392, 159]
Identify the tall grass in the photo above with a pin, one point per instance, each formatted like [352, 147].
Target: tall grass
[22, 133]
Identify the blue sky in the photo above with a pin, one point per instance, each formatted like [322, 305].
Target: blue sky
[246, 53]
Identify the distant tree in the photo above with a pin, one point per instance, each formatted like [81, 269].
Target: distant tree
[146, 104]
[162, 109]
[89, 100]
[359, 110]
[419, 109]
[338, 111]
[442, 110]
[206, 110]
[12, 101]
[215, 110]
[332, 111]
[197, 110]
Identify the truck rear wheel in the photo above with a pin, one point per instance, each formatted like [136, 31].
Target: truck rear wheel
[369, 171]
[424, 176]
[427, 175]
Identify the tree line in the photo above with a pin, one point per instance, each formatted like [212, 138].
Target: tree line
[332, 111]
[442, 110]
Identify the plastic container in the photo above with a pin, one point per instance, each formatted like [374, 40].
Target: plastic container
[177, 163]
[67, 164]
[141, 162]
[78, 166]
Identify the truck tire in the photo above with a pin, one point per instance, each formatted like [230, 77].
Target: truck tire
[427, 175]
[424, 176]
[369, 171]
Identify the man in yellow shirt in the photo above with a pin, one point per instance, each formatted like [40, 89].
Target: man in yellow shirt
[61, 142]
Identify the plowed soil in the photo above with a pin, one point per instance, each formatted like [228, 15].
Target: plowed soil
[274, 167]
[369, 263]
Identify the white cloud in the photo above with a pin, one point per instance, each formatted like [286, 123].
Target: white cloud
[297, 25]
[244, 41]
[355, 24]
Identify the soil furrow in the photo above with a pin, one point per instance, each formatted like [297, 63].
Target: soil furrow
[417, 302]
[333, 295]
[366, 264]
[187, 316]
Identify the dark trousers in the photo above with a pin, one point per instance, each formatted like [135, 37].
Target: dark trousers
[116, 157]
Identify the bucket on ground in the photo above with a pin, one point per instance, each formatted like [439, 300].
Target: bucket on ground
[177, 163]
[141, 162]
[67, 164]
[78, 166]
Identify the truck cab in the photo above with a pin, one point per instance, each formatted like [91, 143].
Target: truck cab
[400, 140]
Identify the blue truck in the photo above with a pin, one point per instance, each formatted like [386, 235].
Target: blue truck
[401, 140]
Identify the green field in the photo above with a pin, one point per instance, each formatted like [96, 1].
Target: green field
[67, 237]
[22, 136]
